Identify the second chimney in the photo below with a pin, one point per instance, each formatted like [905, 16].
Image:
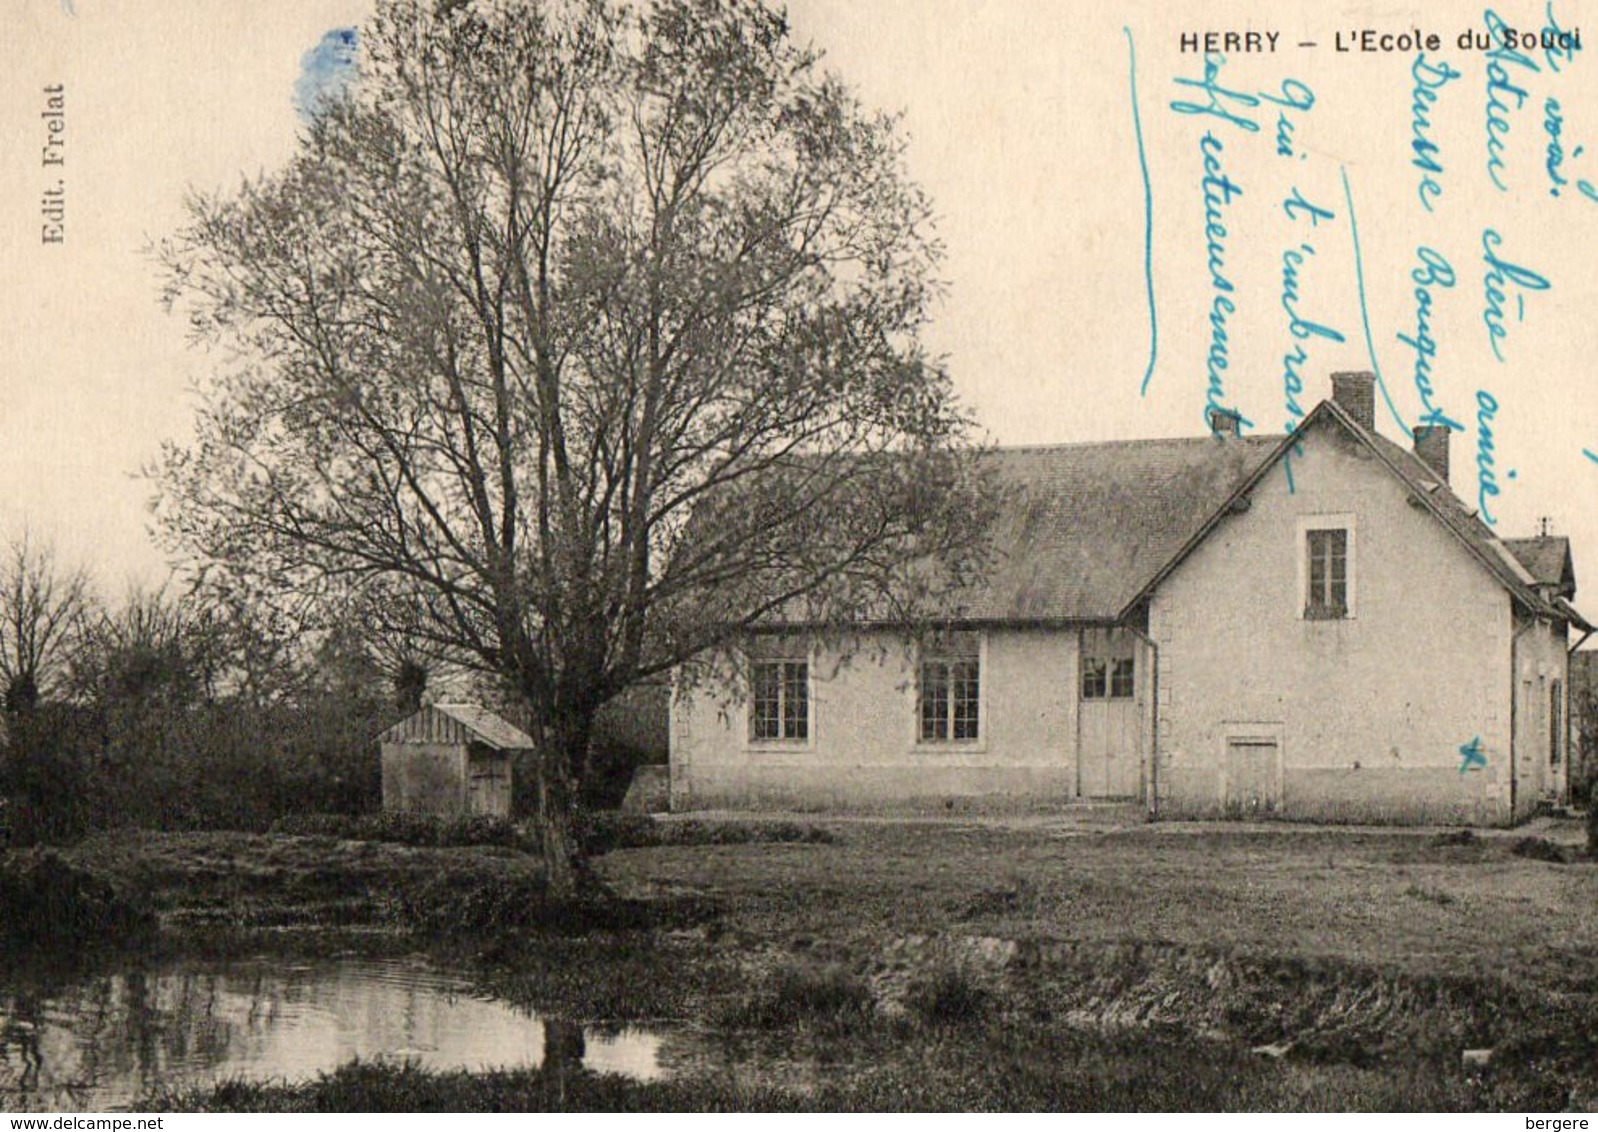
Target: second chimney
[1355, 394]
[1431, 445]
[1224, 422]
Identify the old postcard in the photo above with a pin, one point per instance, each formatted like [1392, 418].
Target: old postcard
[856, 555]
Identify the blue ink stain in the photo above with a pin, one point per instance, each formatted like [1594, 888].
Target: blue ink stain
[1364, 310]
[1434, 271]
[1590, 454]
[1218, 192]
[325, 70]
[1500, 276]
[1473, 757]
[1565, 49]
[1210, 85]
[1430, 78]
[1486, 461]
[1148, 218]
[1501, 82]
[1554, 127]
[69, 8]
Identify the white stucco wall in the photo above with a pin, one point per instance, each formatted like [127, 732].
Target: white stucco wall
[1366, 716]
[1371, 710]
[1541, 660]
[862, 751]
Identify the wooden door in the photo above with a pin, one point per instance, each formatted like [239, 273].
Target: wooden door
[1109, 715]
[488, 784]
[1253, 775]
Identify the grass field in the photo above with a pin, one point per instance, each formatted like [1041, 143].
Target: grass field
[1416, 902]
[948, 965]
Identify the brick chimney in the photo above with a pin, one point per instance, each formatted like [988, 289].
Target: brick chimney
[1431, 445]
[1224, 422]
[1355, 394]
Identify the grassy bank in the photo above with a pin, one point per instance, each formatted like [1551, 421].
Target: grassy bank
[1001, 1072]
[992, 1062]
[890, 966]
[205, 885]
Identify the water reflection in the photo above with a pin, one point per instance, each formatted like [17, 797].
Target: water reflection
[101, 1040]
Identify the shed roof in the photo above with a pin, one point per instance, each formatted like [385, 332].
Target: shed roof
[1547, 559]
[457, 723]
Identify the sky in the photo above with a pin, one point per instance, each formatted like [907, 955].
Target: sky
[1104, 281]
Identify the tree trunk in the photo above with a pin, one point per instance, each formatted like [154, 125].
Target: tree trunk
[564, 1049]
[563, 745]
[555, 829]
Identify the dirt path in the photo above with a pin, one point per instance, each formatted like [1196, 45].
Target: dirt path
[1131, 817]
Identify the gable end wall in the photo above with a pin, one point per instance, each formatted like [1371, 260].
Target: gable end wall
[1371, 711]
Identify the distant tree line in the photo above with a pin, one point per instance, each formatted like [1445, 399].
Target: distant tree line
[198, 706]
[181, 710]
[1584, 713]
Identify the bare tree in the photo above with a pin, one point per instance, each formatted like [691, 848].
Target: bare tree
[42, 609]
[153, 647]
[592, 333]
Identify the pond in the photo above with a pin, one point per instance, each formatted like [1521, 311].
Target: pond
[99, 1041]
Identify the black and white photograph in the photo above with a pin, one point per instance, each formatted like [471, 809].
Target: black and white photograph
[966, 556]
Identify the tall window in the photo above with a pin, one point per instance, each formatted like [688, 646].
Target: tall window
[950, 693]
[1326, 574]
[1556, 722]
[780, 707]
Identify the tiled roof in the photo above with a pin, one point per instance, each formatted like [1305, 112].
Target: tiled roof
[1095, 527]
[1091, 524]
[1569, 613]
[1463, 521]
[1546, 558]
[458, 723]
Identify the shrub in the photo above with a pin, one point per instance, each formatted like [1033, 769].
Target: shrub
[829, 997]
[603, 831]
[488, 905]
[607, 830]
[46, 772]
[629, 731]
[485, 829]
[742, 833]
[1538, 849]
[44, 899]
[341, 826]
[1430, 895]
[428, 831]
[596, 832]
[947, 997]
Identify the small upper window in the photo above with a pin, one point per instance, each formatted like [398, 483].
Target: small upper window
[1094, 682]
[1326, 574]
[1109, 670]
[1121, 679]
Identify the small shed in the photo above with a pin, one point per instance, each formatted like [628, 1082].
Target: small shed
[451, 759]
